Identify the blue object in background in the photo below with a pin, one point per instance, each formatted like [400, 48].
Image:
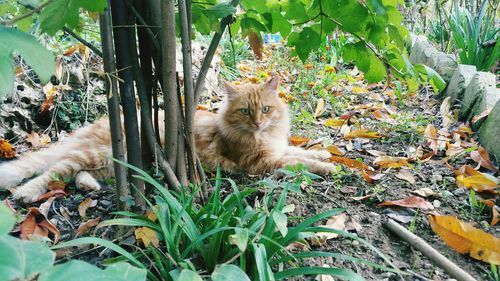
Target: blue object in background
[272, 38]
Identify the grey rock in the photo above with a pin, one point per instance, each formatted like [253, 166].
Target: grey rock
[436, 203]
[490, 132]
[460, 80]
[422, 52]
[444, 64]
[480, 95]
[437, 178]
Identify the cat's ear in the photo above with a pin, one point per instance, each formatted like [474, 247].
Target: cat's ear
[231, 89]
[271, 85]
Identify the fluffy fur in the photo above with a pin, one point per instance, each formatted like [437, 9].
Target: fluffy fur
[249, 133]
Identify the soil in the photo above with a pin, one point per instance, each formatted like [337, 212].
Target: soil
[340, 190]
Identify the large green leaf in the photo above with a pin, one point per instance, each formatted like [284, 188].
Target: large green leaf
[229, 272]
[126, 272]
[21, 259]
[7, 219]
[37, 56]
[60, 13]
[76, 270]
[304, 42]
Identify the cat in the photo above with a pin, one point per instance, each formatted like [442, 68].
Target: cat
[249, 133]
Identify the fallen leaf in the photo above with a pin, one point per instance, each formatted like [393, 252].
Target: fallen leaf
[334, 122]
[390, 162]
[410, 202]
[324, 277]
[479, 182]
[147, 236]
[87, 203]
[56, 185]
[334, 150]
[424, 192]
[481, 115]
[482, 157]
[371, 177]
[70, 51]
[45, 139]
[65, 212]
[495, 216]
[52, 193]
[376, 152]
[320, 108]
[44, 208]
[337, 222]
[430, 134]
[34, 139]
[364, 197]
[406, 175]
[444, 110]
[350, 163]
[298, 141]
[362, 134]
[464, 238]
[359, 90]
[6, 149]
[86, 226]
[37, 225]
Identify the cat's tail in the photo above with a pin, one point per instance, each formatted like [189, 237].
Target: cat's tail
[12, 173]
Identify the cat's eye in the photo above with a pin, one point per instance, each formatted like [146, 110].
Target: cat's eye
[265, 109]
[245, 111]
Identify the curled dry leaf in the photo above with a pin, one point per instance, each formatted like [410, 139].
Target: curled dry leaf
[298, 141]
[495, 216]
[147, 236]
[37, 225]
[334, 150]
[334, 122]
[86, 226]
[44, 208]
[52, 193]
[481, 115]
[6, 149]
[406, 175]
[34, 139]
[363, 134]
[424, 192]
[87, 203]
[337, 222]
[350, 163]
[56, 185]
[410, 202]
[464, 238]
[444, 110]
[320, 108]
[370, 177]
[430, 134]
[390, 162]
[481, 157]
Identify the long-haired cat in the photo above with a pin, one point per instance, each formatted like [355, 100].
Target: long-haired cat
[249, 133]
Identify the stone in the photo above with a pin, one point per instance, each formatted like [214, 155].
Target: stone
[444, 64]
[422, 52]
[459, 81]
[480, 95]
[490, 132]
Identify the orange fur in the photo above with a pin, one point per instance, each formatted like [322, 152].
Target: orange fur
[249, 133]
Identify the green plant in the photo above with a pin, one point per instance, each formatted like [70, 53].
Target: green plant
[439, 34]
[229, 231]
[27, 260]
[494, 273]
[476, 38]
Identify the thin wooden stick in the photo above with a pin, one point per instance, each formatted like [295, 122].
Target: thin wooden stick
[418, 243]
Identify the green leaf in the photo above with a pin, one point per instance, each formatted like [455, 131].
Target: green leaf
[280, 24]
[39, 58]
[60, 13]
[256, 5]
[295, 11]
[281, 222]
[241, 238]
[221, 10]
[263, 269]
[376, 71]
[21, 259]
[304, 42]
[189, 275]
[7, 219]
[431, 75]
[126, 272]
[229, 272]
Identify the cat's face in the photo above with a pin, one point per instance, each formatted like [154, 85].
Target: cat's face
[253, 108]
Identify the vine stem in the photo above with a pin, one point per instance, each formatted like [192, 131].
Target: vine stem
[28, 14]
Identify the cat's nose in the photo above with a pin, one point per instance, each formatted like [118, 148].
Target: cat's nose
[257, 123]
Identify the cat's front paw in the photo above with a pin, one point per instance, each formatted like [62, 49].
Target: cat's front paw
[27, 194]
[86, 181]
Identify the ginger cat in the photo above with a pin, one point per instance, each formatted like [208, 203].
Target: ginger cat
[249, 133]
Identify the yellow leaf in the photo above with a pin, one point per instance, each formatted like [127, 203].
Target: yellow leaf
[362, 134]
[297, 141]
[6, 149]
[464, 238]
[87, 203]
[480, 182]
[333, 149]
[390, 162]
[147, 236]
[329, 69]
[308, 66]
[320, 108]
[430, 134]
[334, 122]
[359, 90]
[243, 67]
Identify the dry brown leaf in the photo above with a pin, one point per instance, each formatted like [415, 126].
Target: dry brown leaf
[37, 225]
[350, 163]
[444, 110]
[376, 152]
[390, 162]
[147, 236]
[334, 150]
[320, 108]
[52, 193]
[6, 149]
[59, 68]
[424, 192]
[33, 138]
[56, 185]
[495, 216]
[370, 177]
[481, 115]
[86, 226]
[430, 134]
[406, 175]
[298, 141]
[44, 208]
[362, 134]
[256, 43]
[324, 277]
[70, 51]
[410, 202]
[337, 222]
[464, 238]
[87, 203]
[482, 157]
[334, 122]
[364, 197]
